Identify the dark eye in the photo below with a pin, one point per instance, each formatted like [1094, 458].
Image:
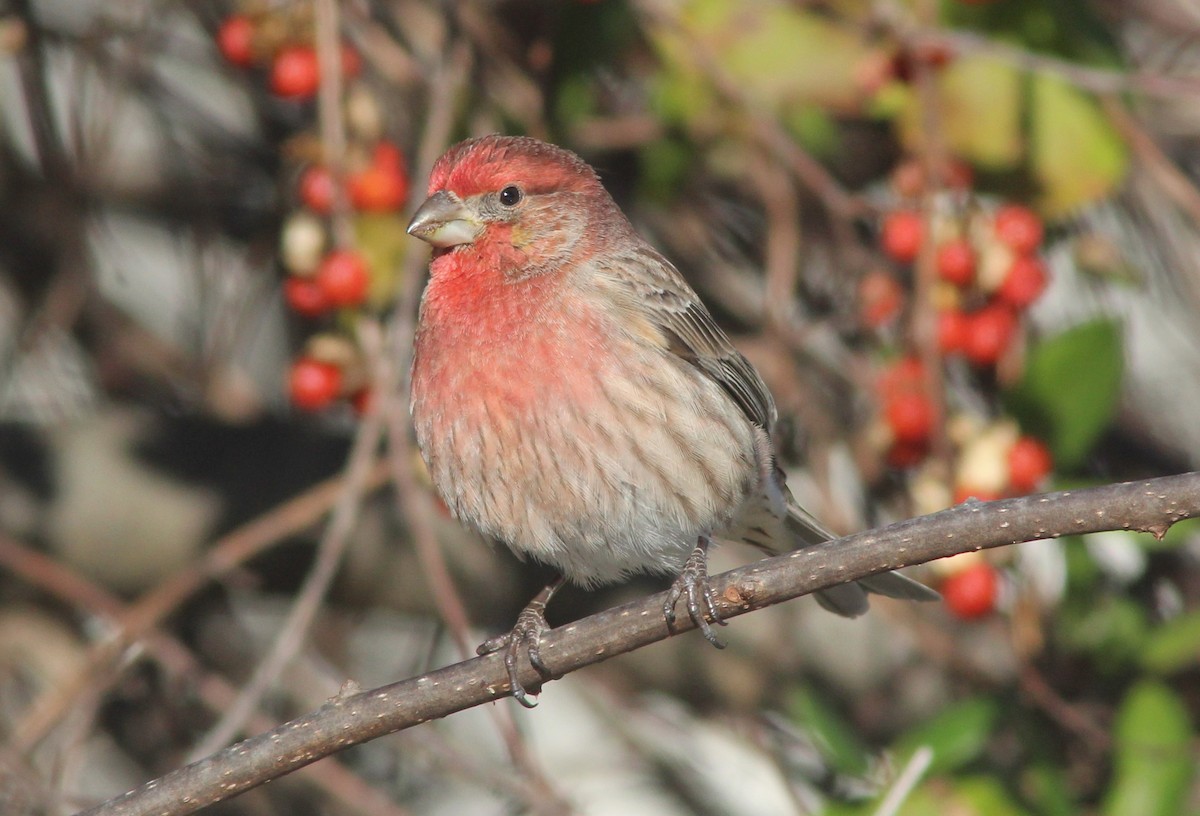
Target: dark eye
[510, 196]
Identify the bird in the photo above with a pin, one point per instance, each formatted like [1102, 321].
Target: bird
[573, 398]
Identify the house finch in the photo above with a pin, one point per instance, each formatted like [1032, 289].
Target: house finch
[573, 397]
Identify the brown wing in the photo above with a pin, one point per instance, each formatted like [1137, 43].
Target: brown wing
[687, 330]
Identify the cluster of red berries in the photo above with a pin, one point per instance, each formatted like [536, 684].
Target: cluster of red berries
[989, 272]
[323, 278]
[993, 460]
[283, 45]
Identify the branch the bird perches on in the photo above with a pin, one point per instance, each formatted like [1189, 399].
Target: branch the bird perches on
[1150, 506]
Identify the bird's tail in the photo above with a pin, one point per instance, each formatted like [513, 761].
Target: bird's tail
[850, 600]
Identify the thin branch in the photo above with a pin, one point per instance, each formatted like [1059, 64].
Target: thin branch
[1149, 506]
[226, 554]
[1103, 81]
[53, 577]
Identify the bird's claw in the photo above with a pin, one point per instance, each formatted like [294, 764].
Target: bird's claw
[693, 583]
[527, 632]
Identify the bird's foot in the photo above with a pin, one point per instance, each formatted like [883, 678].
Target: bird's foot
[701, 600]
[526, 633]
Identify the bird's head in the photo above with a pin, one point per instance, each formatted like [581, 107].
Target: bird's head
[525, 203]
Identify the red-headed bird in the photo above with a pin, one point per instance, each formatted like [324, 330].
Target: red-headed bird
[573, 397]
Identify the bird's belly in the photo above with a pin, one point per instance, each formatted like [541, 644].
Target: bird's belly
[599, 479]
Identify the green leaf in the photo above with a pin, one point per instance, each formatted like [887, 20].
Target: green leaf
[777, 54]
[971, 796]
[1075, 153]
[979, 113]
[987, 797]
[1175, 645]
[957, 735]
[380, 238]
[1110, 628]
[834, 737]
[1069, 392]
[1152, 756]
[1047, 789]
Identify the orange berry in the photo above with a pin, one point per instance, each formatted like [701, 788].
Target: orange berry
[378, 189]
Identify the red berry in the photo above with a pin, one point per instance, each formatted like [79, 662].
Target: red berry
[316, 189]
[971, 592]
[1029, 462]
[295, 72]
[305, 297]
[235, 38]
[991, 330]
[344, 278]
[378, 189]
[904, 376]
[953, 328]
[1019, 227]
[964, 492]
[903, 232]
[903, 455]
[314, 384]
[1024, 283]
[910, 416]
[880, 298]
[387, 156]
[956, 261]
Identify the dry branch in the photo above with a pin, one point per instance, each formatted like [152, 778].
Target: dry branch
[1149, 506]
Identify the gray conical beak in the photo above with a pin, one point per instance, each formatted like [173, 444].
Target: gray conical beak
[444, 221]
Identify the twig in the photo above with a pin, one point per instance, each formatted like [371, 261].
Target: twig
[1150, 506]
[1175, 184]
[916, 767]
[226, 554]
[51, 576]
[765, 127]
[1096, 80]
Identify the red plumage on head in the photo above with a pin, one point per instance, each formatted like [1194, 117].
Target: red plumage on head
[489, 163]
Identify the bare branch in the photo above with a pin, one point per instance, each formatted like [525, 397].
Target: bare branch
[1149, 506]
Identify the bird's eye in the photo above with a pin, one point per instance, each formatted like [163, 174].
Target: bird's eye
[510, 196]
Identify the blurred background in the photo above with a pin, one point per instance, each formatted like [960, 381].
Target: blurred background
[960, 240]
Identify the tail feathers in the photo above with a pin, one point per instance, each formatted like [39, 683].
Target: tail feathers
[895, 585]
[850, 600]
[847, 600]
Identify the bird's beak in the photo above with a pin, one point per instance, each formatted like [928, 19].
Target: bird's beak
[444, 221]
